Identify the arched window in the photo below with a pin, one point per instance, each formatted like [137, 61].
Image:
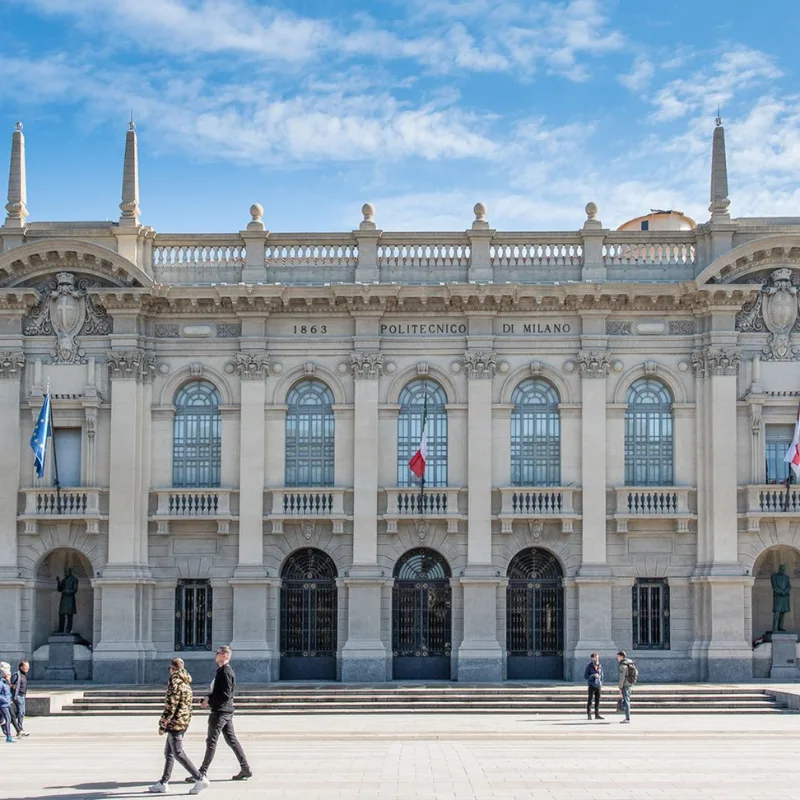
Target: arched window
[535, 435]
[648, 434]
[409, 432]
[309, 435]
[197, 437]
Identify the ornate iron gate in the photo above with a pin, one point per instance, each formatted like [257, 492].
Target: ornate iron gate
[308, 616]
[421, 617]
[535, 616]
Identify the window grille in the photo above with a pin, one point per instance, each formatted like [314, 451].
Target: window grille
[650, 614]
[197, 436]
[648, 435]
[309, 435]
[535, 435]
[193, 615]
[409, 432]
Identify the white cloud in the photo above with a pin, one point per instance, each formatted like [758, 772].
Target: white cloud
[638, 79]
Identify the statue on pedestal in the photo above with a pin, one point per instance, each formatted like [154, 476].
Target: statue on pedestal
[781, 592]
[67, 608]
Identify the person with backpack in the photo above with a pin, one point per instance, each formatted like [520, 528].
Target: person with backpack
[593, 675]
[628, 675]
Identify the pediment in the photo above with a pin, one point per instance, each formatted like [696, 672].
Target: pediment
[26, 266]
[754, 262]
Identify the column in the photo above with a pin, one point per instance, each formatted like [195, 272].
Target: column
[365, 656]
[125, 586]
[594, 581]
[480, 657]
[254, 657]
[720, 581]
[12, 364]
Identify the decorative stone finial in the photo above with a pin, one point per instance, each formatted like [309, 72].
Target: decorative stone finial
[591, 210]
[592, 222]
[480, 211]
[720, 203]
[257, 212]
[130, 181]
[17, 183]
[368, 210]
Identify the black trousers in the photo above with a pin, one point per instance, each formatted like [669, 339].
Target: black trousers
[594, 695]
[173, 751]
[221, 722]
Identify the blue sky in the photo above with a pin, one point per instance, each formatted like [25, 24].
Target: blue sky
[422, 107]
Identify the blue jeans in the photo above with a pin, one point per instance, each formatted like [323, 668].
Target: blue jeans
[626, 701]
[18, 713]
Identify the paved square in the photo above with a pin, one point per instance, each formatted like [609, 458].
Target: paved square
[422, 757]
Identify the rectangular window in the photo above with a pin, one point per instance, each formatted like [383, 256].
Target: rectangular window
[645, 225]
[193, 615]
[778, 439]
[650, 614]
[67, 446]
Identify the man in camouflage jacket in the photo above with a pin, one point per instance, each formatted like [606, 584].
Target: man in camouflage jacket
[174, 722]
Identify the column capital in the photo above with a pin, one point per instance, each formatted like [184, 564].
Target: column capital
[479, 364]
[137, 364]
[594, 363]
[12, 362]
[252, 366]
[367, 365]
[716, 361]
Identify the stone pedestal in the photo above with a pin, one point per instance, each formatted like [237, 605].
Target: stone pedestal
[61, 664]
[784, 657]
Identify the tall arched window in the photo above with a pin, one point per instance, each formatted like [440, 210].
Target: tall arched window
[648, 434]
[409, 432]
[535, 435]
[309, 435]
[197, 437]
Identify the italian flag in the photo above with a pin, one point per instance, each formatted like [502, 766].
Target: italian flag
[419, 459]
[793, 453]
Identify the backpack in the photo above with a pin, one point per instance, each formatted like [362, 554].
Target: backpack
[631, 673]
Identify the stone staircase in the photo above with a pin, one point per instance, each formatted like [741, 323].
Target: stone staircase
[442, 698]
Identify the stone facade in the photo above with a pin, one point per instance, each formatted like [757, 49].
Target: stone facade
[518, 562]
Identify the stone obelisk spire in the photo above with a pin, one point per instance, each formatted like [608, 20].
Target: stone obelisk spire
[719, 176]
[130, 181]
[17, 185]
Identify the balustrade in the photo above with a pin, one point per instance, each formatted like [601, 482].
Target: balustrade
[534, 502]
[769, 500]
[322, 503]
[653, 502]
[210, 504]
[433, 503]
[657, 247]
[72, 503]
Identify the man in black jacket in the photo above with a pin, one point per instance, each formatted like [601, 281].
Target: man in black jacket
[220, 720]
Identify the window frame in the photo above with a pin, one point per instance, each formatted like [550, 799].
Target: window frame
[644, 464]
[528, 419]
[409, 432]
[309, 436]
[182, 618]
[197, 437]
[777, 441]
[642, 590]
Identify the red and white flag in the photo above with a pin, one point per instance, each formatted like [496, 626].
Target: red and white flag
[420, 458]
[792, 456]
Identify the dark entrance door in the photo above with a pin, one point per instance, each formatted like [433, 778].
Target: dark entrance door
[421, 618]
[308, 616]
[535, 616]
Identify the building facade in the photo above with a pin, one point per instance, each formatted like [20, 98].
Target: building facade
[606, 412]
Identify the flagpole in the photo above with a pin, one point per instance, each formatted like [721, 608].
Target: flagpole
[51, 433]
[422, 479]
[788, 481]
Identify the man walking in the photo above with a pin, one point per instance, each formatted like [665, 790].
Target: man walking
[628, 675]
[220, 720]
[593, 675]
[19, 688]
[174, 723]
[5, 701]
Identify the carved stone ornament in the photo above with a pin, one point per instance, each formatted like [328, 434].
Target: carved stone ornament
[774, 309]
[594, 363]
[615, 327]
[308, 529]
[366, 365]
[535, 529]
[252, 366]
[66, 310]
[139, 365]
[716, 361]
[479, 364]
[12, 362]
[421, 527]
[229, 330]
[167, 331]
[681, 327]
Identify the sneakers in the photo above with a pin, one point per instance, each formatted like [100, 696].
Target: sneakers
[190, 779]
[597, 716]
[10, 740]
[198, 787]
[624, 721]
[158, 788]
[243, 774]
[24, 733]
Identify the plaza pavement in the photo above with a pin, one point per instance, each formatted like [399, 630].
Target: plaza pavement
[422, 757]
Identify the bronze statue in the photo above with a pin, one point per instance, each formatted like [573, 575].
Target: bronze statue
[67, 608]
[781, 591]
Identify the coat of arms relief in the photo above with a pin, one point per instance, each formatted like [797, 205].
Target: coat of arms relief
[65, 310]
[774, 310]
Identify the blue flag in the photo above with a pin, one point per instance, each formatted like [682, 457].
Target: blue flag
[43, 429]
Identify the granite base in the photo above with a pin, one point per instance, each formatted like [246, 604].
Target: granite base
[365, 670]
[480, 670]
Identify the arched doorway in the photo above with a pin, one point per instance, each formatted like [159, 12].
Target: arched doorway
[308, 616]
[535, 616]
[767, 564]
[421, 616]
[47, 598]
